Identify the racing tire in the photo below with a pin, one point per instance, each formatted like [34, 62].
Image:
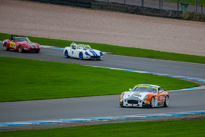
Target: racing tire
[152, 102]
[6, 48]
[99, 59]
[166, 102]
[66, 54]
[20, 49]
[121, 105]
[81, 56]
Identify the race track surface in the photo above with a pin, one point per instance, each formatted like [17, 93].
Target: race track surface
[76, 24]
[80, 24]
[103, 106]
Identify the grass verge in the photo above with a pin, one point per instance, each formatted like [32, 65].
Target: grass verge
[187, 128]
[24, 79]
[118, 50]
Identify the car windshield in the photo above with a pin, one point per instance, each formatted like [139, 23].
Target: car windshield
[82, 46]
[21, 39]
[149, 89]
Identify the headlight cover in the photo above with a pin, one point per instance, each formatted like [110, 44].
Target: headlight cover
[121, 96]
[101, 54]
[86, 53]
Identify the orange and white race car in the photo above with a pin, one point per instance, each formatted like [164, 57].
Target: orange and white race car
[145, 95]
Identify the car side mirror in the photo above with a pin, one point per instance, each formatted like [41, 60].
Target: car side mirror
[130, 89]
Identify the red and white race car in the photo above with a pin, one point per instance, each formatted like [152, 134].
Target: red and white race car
[21, 44]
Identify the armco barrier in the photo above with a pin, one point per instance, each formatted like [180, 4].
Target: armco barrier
[76, 3]
[129, 9]
[195, 16]
[136, 9]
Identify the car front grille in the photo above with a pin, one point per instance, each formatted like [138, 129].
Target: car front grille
[95, 57]
[34, 49]
[132, 101]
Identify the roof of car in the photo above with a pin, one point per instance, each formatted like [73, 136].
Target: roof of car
[147, 85]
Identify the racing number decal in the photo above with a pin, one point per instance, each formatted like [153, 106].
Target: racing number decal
[12, 45]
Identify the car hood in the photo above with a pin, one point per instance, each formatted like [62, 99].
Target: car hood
[28, 43]
[91, 52]
[135, 95]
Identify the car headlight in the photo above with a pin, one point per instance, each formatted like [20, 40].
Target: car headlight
[121, 96]
[86, 53]
[146, 97]
[101, 54]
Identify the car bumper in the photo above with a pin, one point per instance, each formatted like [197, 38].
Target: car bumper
[134, 103]
[29, 49]
[93, 57]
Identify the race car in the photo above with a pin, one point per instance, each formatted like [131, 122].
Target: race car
[145, 95]
[20, 43]
[82, 51]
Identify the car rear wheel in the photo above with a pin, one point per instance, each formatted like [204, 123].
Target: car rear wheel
[166, 102]
[66, 54]
[152, 102]
[81, 56]
[20, 49]
[6, 48]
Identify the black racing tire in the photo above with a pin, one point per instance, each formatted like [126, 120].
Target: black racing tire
[166, 102]
[6, 48]
[81, 56]
[20, 49]
[152, 102]
[122, 106]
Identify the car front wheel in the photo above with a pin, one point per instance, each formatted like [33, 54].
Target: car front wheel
[81, 56]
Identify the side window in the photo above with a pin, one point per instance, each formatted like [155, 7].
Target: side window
[73, 47]
[160, 90]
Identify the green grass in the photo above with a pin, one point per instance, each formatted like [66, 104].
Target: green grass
[118, 50]
[180, 128]
[199, 2]
[24, 79]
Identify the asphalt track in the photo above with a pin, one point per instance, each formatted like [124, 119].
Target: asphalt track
[103, 106]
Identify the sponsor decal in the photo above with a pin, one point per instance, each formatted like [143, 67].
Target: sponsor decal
[137, 95]
[93, 52]
[12, 44]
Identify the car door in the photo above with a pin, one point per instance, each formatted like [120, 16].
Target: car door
[161, 97]
[72, 51]
[11, 44]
